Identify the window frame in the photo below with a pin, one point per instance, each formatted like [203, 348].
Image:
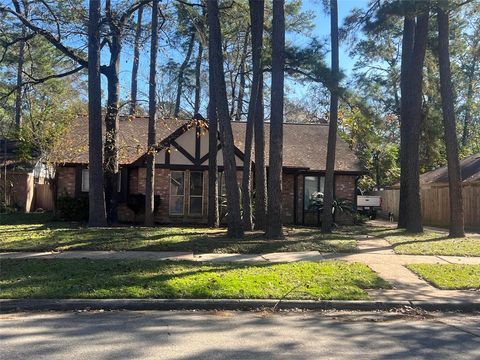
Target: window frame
[190, 196]
[83, 187]
[320, 187]
[170, 196]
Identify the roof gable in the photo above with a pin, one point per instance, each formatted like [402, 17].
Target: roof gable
[469, 167]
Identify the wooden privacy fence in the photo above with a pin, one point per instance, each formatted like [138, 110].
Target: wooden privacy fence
[44, 196]
[435, 204]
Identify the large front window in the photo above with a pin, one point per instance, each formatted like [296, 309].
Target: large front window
[313, 184]
[177, 192]
[196, 193]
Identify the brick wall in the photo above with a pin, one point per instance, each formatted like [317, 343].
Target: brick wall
[345, 187]
[288, 198]
[66, 180]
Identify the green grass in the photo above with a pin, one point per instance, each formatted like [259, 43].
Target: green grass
[449, 276]
[55, 278]
[428, 243]
[36, 232]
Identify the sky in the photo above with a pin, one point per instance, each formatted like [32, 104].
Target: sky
[321, 31]
[322, 25]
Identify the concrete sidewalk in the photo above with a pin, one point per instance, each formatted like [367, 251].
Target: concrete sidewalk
[374, 252]
[393, 225]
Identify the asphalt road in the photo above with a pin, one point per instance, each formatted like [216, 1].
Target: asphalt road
[238, 335]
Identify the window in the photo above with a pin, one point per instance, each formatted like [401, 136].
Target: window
[312, 185]
[85, 180]
[196, 193]
[177, 192]
[222, 187]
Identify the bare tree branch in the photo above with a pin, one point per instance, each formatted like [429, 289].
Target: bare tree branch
[36, 81]
[71, 53]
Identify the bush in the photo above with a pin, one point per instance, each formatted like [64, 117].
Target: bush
[359, 219]
[8, 209]
[72, 209]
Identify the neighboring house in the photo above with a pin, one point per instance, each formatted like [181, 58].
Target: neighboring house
[469, 167]
[181, 177]
[23, 184]
[435, 194]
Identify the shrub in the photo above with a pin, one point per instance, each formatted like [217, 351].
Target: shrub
[8, 209]
[72, 209]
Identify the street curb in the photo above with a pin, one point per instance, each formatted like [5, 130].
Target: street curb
[13, 305]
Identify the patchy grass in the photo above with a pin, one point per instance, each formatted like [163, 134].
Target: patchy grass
[37, 232]
[428, 243]
[55, 278]
[449, 276]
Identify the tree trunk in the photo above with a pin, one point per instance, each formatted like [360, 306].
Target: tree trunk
[235, 226]
[21, 61]
[152, 126]
[96, 208]
[111, 131]
[327, 218]
[110, 164]
[257, 20]
[275, 213]
[407, 50]
[468, 105]
[449, 124]
[241, 86]
[247, 162]
[198, 84]
[181, 74]
[213, 213]
[412, 133]
[136, 61]
[254, 115]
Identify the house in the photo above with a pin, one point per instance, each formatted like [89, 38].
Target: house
[181, 163]
[24, 184]
[434, 194]
[469, 168]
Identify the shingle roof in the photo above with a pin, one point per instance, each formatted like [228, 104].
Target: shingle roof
[305, 145]
[470, 169]
[132, 135]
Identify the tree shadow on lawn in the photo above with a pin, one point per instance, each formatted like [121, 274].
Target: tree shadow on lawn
[193, 239]
[30, 278]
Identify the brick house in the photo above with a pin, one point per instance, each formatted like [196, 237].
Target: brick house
[181, 178]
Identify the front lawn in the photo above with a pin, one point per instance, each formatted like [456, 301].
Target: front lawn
[35, 232]
[428, 243]
[55, 278]
[449, 276]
